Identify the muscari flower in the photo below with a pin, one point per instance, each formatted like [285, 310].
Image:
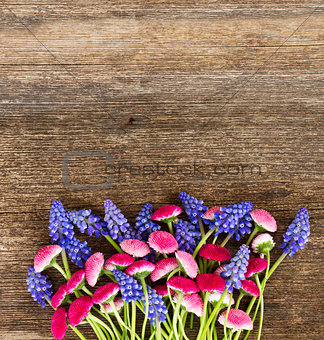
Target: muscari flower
[79, 310]
[60, 296]
[187, 263]
[105, 293]
[237, 320]
[192, 303]
[163, 242]
[235, 270]
[144, 224]
[255, 266]
[210, 283]
[119, 261]
[220, 269]
[135, 247]
[46, 256]
[140, 269]
[167, 213]
[263, 243]
[182, 285]
[164, 267]
[297, 233]
[130, 288]
[214, 252]
[76, 281]
[118, 302]
[59, 323]
[93, 268]
[194, 208]
[39, 286]
[156, 306]
[186, 235]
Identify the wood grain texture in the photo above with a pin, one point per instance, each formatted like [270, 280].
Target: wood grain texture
[211, 87]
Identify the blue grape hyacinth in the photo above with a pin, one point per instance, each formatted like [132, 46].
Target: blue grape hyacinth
[156, 306]
[186, 235]
[297, 233]
[234, 271]
[130, 288]
[39, 286]
[144, 224]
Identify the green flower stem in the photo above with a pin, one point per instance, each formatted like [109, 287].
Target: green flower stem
[176, 316]
[201, 227]
[78, 333]
[133, 320]
[111, 277]
[86, 290]
[203, 241]
[191, 320]
[66, 264]
[214, 240]
[118, 335]
[203, 318]
[262, 305]
[113, 243]
[147, 310]
[254, 232]
[95, 329]
[169, 223]
[240, 297]
[184, 320]
[158, 329]
[60, 269]
[226, 315]
[228, 237]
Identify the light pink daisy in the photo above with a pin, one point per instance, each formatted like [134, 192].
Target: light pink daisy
[188, 263]
[140, 269]
[79, 310]
[118, 302]
[93, 267]
[210, 283]
[256, 265]
[192, 303]
[119, 261]
[215, 297]
[182, 285]
[45, 256]
[59, 296]
[250, 288]
[135, 248]
[214, 252]
[220, 269]
[105, 293]
[237, 320]
[76, 281]
[59, 324]
[166, 213]
[209, 214]
[163, 290]
[263, 243]
[109, 266]
[164, 267]
[163, 242]
[264, 220]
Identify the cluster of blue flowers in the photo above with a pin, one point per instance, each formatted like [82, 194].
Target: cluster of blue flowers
[234, 271]
[156, 306]
[130, 288]
[39, 286]
[186, 235]
[297, 233]
[144, 224]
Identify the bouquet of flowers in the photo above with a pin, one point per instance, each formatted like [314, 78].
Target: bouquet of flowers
[173, 278]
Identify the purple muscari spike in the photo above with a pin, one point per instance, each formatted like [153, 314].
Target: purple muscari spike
[130, 288]
[77, 251]
[39, 286]
[156, 306]
[194, 208]
[297, 233]
[186, 235]
[144, 224]
[234, 271]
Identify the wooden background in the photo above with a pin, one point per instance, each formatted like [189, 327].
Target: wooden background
[225, 84]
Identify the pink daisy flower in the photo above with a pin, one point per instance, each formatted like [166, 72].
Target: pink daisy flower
[46, 256]
[59, 296]
[214, 252]
[59, 324]
[93, 267]
[250, 288]
[105, 293]
[215, 297]
[220, 269]
[192, 303]
[109, 266]
[163, 242]
[135, 248]
[188, 263]
[182, 285]
[79, 310]
[264, 220]
[166, 213]
[263, 243]
[209, 214]
[255, 266]
[76, 281]
[140, 269]
[163, 290]
[237, 320]
[118, 302]
[164, 267]
[119, 261]
[210, 283]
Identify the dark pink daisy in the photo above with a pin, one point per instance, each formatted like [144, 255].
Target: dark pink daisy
[215, 297]
[120, 261]
[237, 320]
[188, 263]
[164, 267]
[209, 214]
[264, 219]
[220, 269]
[249, 287]
[59, 296]
[59, 324]
[118, 302]
[166, 213]
[182, 285]
[105, 293]
[210, 283]
[76, 281]
[135, 248]
[93, 268]
[192, 303]
[163, 242]
[255, 266]
[140, 269]
[163, 290]
[79, 310]
[45, 256]
[214, 252]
